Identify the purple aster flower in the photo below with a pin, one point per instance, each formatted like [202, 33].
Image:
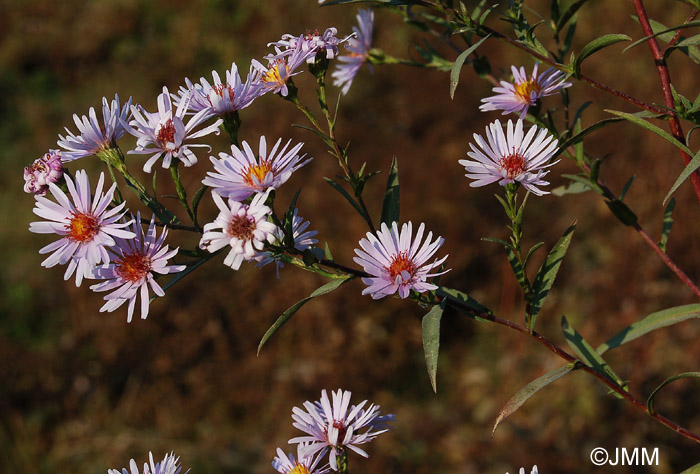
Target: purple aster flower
[44, 170]
[303, 240]
[87, 225]
[358, 48]
[331, 425]
[221, 98]
[242, 226]
[511, 157]
[169, 465]
[397, 262]
[524, 91]
[302, 464]
[326, 43]
[164, 133]
[281, 67]
[242, 173]
[95, 137]
[131, 271]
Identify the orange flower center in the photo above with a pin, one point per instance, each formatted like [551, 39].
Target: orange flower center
[309, 34]
[277, 73]
[133, 266]
[258, 172]
[513, 164]
[82, 227]
[166, 133]
[525, 89]
[401, 263]
[299, 469]
[242, 227]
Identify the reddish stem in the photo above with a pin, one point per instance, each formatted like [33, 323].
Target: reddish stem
[679, 33]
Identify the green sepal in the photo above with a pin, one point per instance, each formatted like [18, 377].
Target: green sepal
[667, 224]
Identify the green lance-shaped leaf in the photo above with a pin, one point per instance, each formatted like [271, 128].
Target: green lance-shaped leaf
[568, 14]
[685, 375]
[529, 390]
[390, 207]
[652, 128]
[660, 319]
[579, 136]
[692, 469]
[667, 224]
[690, 168]
[623, 213]
[459, 62]
[465, 300]
[595, 46]
[586, 353]
[431, 340]
[690, 24]
[347, 196]
[325, 289]
[547, 274]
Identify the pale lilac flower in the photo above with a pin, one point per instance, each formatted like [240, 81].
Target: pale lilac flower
[132, 268]
[302, 464]
[87, 225]
[242, 226]
[242, 173]
[522, 470]
[331, 425]
[518, 96]
[397, 262]
[326, 43]
[169, 465]
[303, 240]
[220, 98]
[358, 48]
[164, 133]
[511, 157]
[44, 170]
[281, 67]
[95, 137]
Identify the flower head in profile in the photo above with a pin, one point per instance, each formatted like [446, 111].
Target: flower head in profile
[397, 262]
[518, 96]
[281, 67]
[169, 465]
[242, 226]
[133, 267]
[303, 240]
[85, 222]
[522, 470]
[511, 157]
[302, 464]
[337, 425]
[358, 51]
[242, 173]
[325, 44]
[46, 169]
[165, 133]
[219, 97]
[94, 137]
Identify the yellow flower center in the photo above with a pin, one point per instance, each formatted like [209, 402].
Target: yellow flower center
[513, 164]
[82, 227]
[133, 266]
[242, 227]
[258, 172]
[401, 263]
[525, 89]
[299, 469]
[277, 73]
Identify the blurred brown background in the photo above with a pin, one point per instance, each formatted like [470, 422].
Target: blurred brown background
[82, 391]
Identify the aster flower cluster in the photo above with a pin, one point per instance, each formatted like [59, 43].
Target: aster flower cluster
[169, 465]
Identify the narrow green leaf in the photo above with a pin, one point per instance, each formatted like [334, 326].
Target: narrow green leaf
[667, 224]
[692, 52]
[190, 268]
[659, 319]
[692, 469]
[518, 269]
[325, 289]
[345, 194]
[529, 390]
[652, 128]
[572, 188]
[547, 274]
[390, 207]
[623, 213]
[431, 341]
[459, 62]
[585, 180]
[626, 187]
[586, 131]
[595, 46]
[586, 353]
[685, 375]
[532, 250]
[570, 12]
[690, 24]
[327, 253]
[465, 300]
[690, 168]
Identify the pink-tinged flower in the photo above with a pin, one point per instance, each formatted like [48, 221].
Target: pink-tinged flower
[397, 261]
[358, 47]
[169, 465]
[220, 98]
[281, 67]
[303, 240]
[87, 226]
[44, 170]
[242, 173]
[511, 157]
[164, 133]
[242, 226]
[518, 96]
[132, 268]
[95, 137]
[331, 425]
[326, 43]
[522, 470]
[302, 464]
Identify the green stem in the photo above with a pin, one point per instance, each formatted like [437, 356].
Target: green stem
[342, 460]
[181, 192]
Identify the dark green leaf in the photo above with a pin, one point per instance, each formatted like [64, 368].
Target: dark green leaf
[667, 224]
[693, 165]
[585, 180]
[685, 375]
[623, 213]
[692, 52]
[579, 136]
[532, 250]
[325, 289]
[465, 300]
[431, 341]
[595, 46]
[626, 187]
[390, 207]
[574, 187]
[198, 198]
[345, 194]
[459, 62]
[570, 12]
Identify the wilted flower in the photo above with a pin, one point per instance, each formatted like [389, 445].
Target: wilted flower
[281, 67]
[303, 240]
[132, 269]
[524, 91]
[44, 170]
[312, 40]
[165, 133]
[330, 425]
[169, 465]
[95, 137]
[302, 464]
[358, 47]
[242, 226]
[511, 157]
[397, 262]
[243, 173]
[87, 225]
